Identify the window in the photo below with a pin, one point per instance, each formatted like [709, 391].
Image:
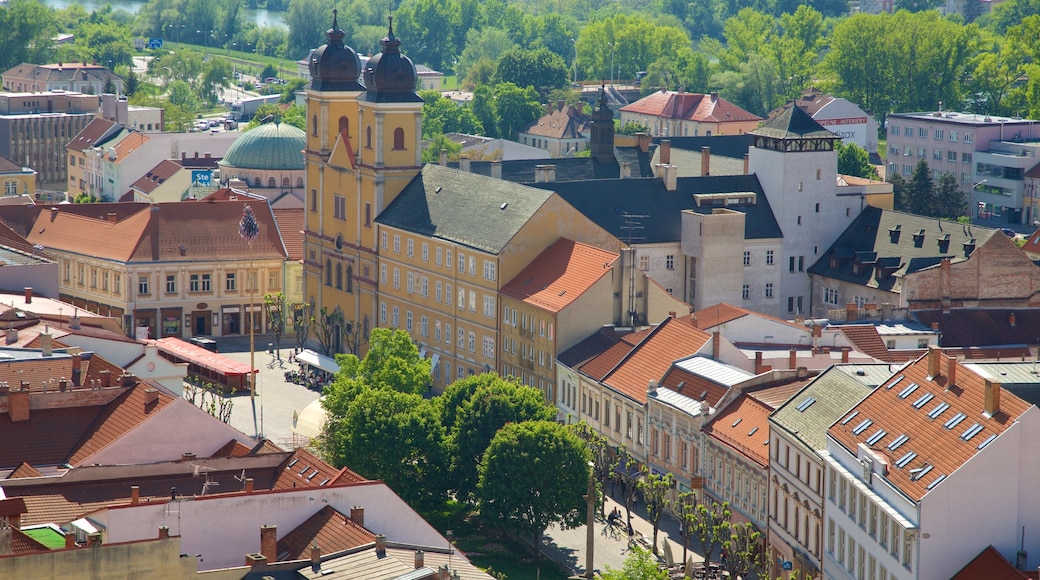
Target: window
[489, 270]
[908, 131]
[922, 132]
[639, 430]
[410, 285]
[193, 283]
[830, 295]
[425, 287]
[437, 331]
[937, 154]
[894, 129]
[953, 136]
[93, 277]
[461, 342]
[922, 152]
[207, 283]
[437, 291]
[769, 289]
[472, 301]
[447, 259]
[745, 292]
[251, 283]
[142, 285]
[368, 137]
[801, 263]
[447, 333]
[939, 134]
[439, 256]
[644, 263]
[425, 252]
[628, 424]
[397, 277]
[382, 273]
[969, 137]
[398, 139]
[171, 284]
[411, 248]
[339, 207]
[669, 262]
[462, 298]
[747, 258]
[408, 321]
[396, 320]
[966, 158]
[489, 347]
[489, 306]
[382, 242]
[790, 265]
[397, 244]
[462, 262]
[117, 286]
[382, 312]
[229, 282]
[472, 266]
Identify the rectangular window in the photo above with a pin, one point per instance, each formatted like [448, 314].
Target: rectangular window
[397, 244]
[397, 277]
[801, 263]
[472, 343]
[922, 132]
[461, 342]
[440, 257]
[425, 287]
[489, 270]
[966, 158]
[969, 137]
[790, 265]
[489, 347]
[368, 215]
[769, 289]
[462, 298]
[447, 258]
[745, 292]
[447, 294]
[408, 321]
[937, 154]
[396, 320]
[382, 273]
[171, 284]
[437, 291]
[628, 424]
[908, 131]
[382, 240]
[339, 207]
[314, 200]
[769, 257]
[747, 258]
[462, 262]
[117, 287]
[953, 136]
[410, 282]
[472, 266]
[382, 312]
[938, 134]
[489, 306]
[411, 248]
[669, 262]
[644, 263]
[447, 333]
[230, 284]
[437, 331]
[207, 283]
[425, 252]
[193, 283]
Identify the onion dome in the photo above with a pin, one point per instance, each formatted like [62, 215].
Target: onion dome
[335, 66]
[390, 76]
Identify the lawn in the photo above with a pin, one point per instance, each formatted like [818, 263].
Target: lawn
[497, 553]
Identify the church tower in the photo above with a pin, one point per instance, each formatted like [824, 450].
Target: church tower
[363, 147]
[601, 141]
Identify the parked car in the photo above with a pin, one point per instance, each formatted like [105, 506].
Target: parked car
[1009, 232]
[204, 342]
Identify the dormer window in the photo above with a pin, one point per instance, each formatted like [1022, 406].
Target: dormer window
[944, 243]
[893, 234]
[969, 247]
[919, 239]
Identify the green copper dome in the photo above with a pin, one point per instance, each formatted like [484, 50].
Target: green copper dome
[273, 146]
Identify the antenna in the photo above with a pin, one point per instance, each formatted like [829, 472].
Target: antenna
[241, 478]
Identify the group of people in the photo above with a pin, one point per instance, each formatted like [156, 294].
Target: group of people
[614, 519]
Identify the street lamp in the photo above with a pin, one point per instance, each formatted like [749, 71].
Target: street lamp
[612, 47]
[205, 41]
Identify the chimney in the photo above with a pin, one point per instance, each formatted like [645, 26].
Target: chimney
[935, 326]
[464, 163]
[12, 335]
[18, 405]
[357, 515]
[28, 294]
[269, 542]
[420, 559]
[714, 96]
[643, 141]
[544, 173]
[745, 164]
[254, 560]
[46, 343]
[549, 108]
[945, 283]
[758, 362]
[705, 161]
[850, 312]
[187, 456]
[886, 310]
[315, 558]
[671, 175]
[1011, 320]
[934, 360]
[845, 354]
[77, 362]
[164, 532]
[94, 540]
[792, 359]
[151, 396]
[112, 217]
[135, 494]
[70, 540]
[496, 170]
[560, 104]
[992, 398]
[716, 344]
[127, 379]
[105, 377]
[951, 371]
[651, 388]
[625, 170]
[380, 546]
[444, 159]
[666, 152]
[6, 540]
[249, 485]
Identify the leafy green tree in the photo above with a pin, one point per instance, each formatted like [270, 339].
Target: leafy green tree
[1010, 13]
[304, 34]
[215, 78]
[483, 106]
[537, 69]
[710, 525]
[900, 191]
[392, 362]
[854, 160]
[950, 201]
[627, 475]
[685, 509]
[921, 190]
[131, 84]
[440, 144]
[485, 44]
[441, 115]
[28, 27]
[327, 326]
[655, 489]
[274, 307]
[604, 461]
[427, 29]
[533, 474]
[515, 108]
[630, 43]
[748, 553]
[392, 436]
[490, 407]
[640, 564]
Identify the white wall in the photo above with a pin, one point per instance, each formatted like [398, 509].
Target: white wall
[850, 122]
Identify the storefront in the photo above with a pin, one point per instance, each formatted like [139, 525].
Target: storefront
[145, 323]
[171, 321]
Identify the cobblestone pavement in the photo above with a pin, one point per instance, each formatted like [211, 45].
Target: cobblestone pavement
[276, 399]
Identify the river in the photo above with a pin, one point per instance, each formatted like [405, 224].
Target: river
[259, 17]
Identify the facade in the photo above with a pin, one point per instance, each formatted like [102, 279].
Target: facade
[95, 159]
[736, 460]
[171, 269]
[1004, 191]
[909, 464]
[17, 179]
[678, 114]
[844, 118]
[36, 127]
[563, 130]
[71, 77]
[950, 141]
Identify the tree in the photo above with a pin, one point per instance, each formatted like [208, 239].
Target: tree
[327, 325]
[640, 564]
[685, 508]
[537, 69]
[747, 551]
[921, 190]
[950, 201]
[655, 489]
[900, 191]
[28, 28]
[440, 144]
[709, 524]
[854, 160]
[392, 362]
[274, 306]
[495, 403]
[533, 474]
[441, 115]
[392, 436]
[303, 314]
[488, 43]
[428, 28]
[627, 475]
[131, 84]
[603, 459]
[515, 108]
[303, 34]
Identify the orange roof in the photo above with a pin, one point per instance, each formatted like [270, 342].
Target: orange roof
[930, 427]
[989, 565]
[327, 528]
[722, 313]
[671, 340]
[698, 107]
[22, 543]
[233, 448]
[744, 426]
[566, 122]
[290, 222]
[157, 175]
[24, 470]
[304, 469]
[866, 339]
[118, 417]
[560, 274]
[132, 142]
[693, 385]
[601, 364]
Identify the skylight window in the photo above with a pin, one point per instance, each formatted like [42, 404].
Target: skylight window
[906, 459]
[876, 436]
[862, 426]
[909, 389]
[293, 462]
[752, 432]
[955, 420]
[737, 422]
[895, 382]
[920, 472]
[936, 482]
[971, 432]
[324, 481]
[805, 404]
[846, 420]
[938, 410]
[897, 442]
[921, 402]
[987, 441]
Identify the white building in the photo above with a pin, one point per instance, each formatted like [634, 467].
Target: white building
[843, 117]
[927, 471]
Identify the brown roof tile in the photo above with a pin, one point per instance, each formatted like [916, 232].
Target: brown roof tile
[560, 274]
[290, 222]
[866, 339]
[936, 446]
[132, 142]
[233, 448]
[744, 426]
[9, 166]
[989, 565]
[96, 131]
[156, 176]
[24, 470]
[568, 122]
[722, 313]
[592, 346]
[304, 469]
[22, 544]
[693, 386]
[690, 107]
[120, 416]
[776, 395]
[600, 365]
[671, 340]
[48, 438]
[329, 529]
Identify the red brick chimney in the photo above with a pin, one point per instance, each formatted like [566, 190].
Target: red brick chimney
[745, 163]
[357, 515]
[135, 494]
[705, 161]
[28, 294]
[992, 398]
[164, 532]
[934, 361]
[254, 560]
[18, 405]
[716, 344]
[1011, 320]
[187, 456]
[420, 559]
[112, 217]
[951, 371]
[70, 540]
[269, 542]
[758, 362]
[249, 485]
[792, 362]
[850, 312]
[315, 558]
[845, 354]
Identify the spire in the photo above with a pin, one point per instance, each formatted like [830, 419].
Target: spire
[391, 43]
[335, 34]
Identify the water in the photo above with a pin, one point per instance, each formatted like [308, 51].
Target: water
[259, 17]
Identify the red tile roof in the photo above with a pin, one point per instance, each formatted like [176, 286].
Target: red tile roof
[329, 529]
[599, 366]
[96, 131]
[721, 313]
[743, 425]
[592, 346]
[671, 340]
[866, 339]
[693, 385]
[22, 544]
[233, 448]
[9, 166]
[290, 222]
[560, 274]
[568, 122]
[24, 470]
[127, 145]
[989, 565]
[157, 176]
[118, 417]
[934, 447]
[304, 469]
[690, 107]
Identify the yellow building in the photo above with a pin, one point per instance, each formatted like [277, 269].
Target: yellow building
[17, 180]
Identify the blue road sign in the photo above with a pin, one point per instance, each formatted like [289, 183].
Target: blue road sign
[154, 43]
[201, 177]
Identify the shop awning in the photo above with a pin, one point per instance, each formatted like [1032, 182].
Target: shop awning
[191, 354]
[320, 361]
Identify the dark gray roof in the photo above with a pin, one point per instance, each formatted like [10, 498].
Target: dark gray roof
[982, 327]
[793, 123]
[735, 146]
[613, 203]
[591, 346]
[571, 168]
[463, 207]
[890, 244]
[808, 414]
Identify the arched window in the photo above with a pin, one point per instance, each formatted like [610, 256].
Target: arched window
[285, 183]
[339, 275]
[328, 272]
[314, 126]
[344, 126]
[271, 182]
[259, 182]
[299, 182]
[398, 138]
[350, 278]
[368, 137]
